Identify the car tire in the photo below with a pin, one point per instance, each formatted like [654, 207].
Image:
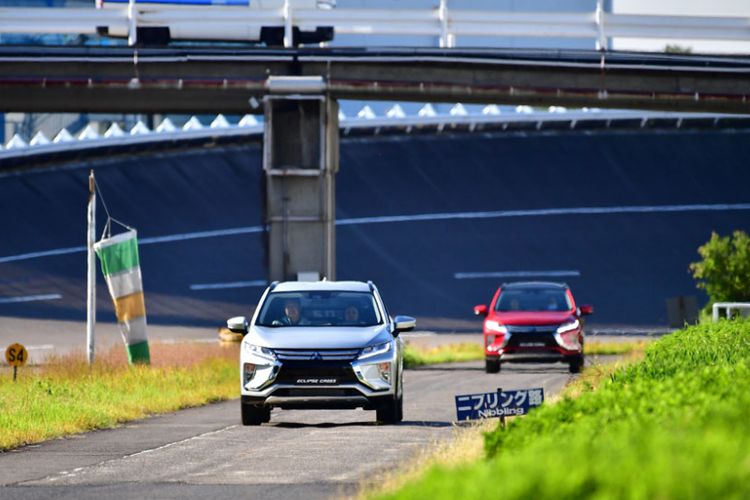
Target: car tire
[492, 365]
[576, 365]
[390, 412]
[253, 415]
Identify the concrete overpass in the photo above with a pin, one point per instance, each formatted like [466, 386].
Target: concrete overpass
[195, 80]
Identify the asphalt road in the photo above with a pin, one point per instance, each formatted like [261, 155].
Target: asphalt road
[205, 453]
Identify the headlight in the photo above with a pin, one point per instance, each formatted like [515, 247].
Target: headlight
[570, 325]
[495, 326]
[567, 335]
[375, 350]
[262, 352]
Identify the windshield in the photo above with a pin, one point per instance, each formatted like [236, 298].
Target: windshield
[319, 308]
[533, 299]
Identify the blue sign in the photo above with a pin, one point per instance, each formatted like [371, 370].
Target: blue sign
[498, 404]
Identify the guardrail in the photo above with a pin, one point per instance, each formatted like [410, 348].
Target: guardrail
[729, 307]
[444, 23]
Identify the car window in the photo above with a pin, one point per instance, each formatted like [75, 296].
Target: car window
[533, 299]
[319, 308]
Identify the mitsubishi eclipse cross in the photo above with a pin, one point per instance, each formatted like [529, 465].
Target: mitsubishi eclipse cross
[321, 345]
[533, 322]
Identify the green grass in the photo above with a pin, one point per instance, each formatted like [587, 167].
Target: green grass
[447, 353]
[454, 353]
[67, 396]
[596, 347]
[675, 425]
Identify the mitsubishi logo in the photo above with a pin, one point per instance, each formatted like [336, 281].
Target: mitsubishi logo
[316, 356]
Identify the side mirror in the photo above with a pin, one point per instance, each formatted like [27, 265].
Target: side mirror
[403, 324]
[238, 324]
[586, 310]
[480, 310]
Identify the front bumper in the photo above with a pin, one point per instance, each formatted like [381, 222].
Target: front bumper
[535, 344]
[526, 356]
[321, 384]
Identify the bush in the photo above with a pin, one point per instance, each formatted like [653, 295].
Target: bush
[724, 272]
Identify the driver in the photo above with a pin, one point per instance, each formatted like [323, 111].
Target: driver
[292, 313]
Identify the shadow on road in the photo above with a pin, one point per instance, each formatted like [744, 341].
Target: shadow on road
[328, 425]
[448, 368]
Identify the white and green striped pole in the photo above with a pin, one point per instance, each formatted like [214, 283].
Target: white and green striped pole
[122, 271]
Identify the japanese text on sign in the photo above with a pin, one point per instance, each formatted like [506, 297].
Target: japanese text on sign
[498, 404]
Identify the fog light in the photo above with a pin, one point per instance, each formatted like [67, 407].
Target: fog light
[249, 370]
[385, 371]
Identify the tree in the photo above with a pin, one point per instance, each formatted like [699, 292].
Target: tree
[724, 272]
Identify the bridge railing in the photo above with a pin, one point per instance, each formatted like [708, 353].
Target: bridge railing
[443, 23]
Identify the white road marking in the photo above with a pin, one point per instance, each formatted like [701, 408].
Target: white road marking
[30, 298]
[416, 218]
[414, 335]
[233, 284]
[517, 274]
[39, 347]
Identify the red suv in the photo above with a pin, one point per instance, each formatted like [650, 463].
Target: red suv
[533, 322]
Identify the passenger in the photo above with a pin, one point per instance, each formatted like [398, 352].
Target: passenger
[351, 315]
[552, 304]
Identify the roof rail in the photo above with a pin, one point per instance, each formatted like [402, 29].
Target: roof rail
[273, 285]
[371, 285]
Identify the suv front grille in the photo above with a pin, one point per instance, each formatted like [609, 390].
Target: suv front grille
[293, 371]
[316, 354]
[532, 336]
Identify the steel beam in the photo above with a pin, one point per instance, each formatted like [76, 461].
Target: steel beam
[199, 81]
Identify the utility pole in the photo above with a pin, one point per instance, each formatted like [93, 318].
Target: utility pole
[91, 282]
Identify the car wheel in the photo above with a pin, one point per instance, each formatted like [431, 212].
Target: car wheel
[491, 365]
[253, 415]
[390, 412]
[576, 365]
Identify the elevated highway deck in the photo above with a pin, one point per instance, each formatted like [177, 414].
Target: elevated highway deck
[195, 80]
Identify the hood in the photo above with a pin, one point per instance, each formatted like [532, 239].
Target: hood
[524, 318]
[318, 337]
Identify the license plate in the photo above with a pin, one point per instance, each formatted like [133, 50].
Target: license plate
[532, 344]
[317, 381]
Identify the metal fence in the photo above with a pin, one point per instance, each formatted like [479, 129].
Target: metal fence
[445, 24]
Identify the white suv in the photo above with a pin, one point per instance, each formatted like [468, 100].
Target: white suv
[321, 345]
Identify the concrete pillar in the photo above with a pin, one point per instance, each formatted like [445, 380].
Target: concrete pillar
[300, 159]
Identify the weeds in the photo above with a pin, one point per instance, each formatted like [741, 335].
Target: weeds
[673, 425]
[68, 396]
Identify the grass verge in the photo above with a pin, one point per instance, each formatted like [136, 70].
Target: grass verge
[467, 444]
[447, 353]
[67, 396]
[454, 353]
[674, 425]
